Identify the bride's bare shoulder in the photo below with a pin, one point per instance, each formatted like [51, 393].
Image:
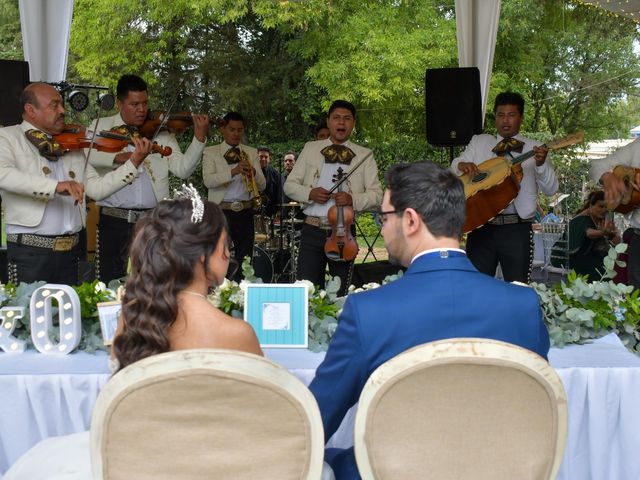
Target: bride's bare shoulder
[202, 325]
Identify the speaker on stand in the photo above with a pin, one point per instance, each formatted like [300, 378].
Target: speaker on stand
[453, 106]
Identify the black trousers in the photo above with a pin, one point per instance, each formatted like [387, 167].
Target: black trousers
[112, 255]
[312, 261]
[633, 257]
[241, 231]
[31, 264]
[510, 245]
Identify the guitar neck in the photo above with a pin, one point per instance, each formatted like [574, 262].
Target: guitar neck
[523, 157]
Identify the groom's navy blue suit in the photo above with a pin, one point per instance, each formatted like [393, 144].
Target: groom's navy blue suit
[437, 298]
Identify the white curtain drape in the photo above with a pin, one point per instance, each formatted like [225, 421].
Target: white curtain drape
[46, 25]
[477, 27]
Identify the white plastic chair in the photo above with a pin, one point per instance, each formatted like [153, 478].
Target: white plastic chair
[462, 408]
[556, 248]
[202, 414]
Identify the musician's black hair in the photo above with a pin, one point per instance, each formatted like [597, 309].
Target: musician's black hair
[322, 124]
[263, 148]
[291, 152]
[509, 98]
[234, 116]
[130, 83]
[434, 192]
[343, 104]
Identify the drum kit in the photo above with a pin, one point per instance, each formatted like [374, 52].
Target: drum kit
[275, 250]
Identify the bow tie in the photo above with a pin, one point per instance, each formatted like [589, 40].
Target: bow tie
[128, 130]
[234, 155]
[337, 154]
[48, 147]
[508, 144]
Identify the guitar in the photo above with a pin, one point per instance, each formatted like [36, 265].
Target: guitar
[497, 184]
[630, 199]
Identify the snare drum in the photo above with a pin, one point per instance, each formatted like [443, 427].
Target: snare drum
[261, 263]
[261, 228]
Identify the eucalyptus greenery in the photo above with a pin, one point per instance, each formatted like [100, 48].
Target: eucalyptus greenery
[576, 310]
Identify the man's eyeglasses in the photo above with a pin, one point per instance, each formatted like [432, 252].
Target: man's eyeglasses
[383, 215]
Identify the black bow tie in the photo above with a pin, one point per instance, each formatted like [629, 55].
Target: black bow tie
[48, 147]
[234, 155]
[127, 130]
[508, 144]
[337, 154]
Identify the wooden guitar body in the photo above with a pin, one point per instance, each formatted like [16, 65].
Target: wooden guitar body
[631, 199]
[491, 191]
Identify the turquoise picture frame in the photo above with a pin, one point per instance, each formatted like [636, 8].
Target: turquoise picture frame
[279, 313]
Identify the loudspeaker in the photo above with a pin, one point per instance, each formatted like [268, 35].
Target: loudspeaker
[453, 104]
[15, 76]
[373, 272]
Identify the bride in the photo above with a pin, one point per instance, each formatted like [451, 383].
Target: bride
[178, 252]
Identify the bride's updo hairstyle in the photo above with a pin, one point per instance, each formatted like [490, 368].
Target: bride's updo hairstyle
[166, 247]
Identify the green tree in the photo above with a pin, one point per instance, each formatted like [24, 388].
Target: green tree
[575, 65]
[10, 34]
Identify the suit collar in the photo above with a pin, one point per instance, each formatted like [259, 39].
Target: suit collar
[427, 263]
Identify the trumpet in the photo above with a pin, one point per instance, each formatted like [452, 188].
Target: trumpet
[250, 181]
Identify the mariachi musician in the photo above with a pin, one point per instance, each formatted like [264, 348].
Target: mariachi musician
[310, 181]
[615, 187]
[231, 171]
[119, 212]
[508, 238]
[44, 188]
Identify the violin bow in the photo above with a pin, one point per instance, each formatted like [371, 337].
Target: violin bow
[165, 119]
[348, 174]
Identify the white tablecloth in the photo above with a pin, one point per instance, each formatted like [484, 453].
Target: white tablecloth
[43, 396]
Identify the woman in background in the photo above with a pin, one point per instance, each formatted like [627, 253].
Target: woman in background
[591, 234]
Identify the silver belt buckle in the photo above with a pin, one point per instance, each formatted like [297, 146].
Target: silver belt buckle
[133, 216]
[236, 206]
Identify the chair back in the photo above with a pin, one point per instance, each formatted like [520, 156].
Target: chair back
[555, 241]
[202, 414]
[462, 408]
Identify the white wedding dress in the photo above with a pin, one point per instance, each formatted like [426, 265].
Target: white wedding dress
[68, 458]
[55, 458]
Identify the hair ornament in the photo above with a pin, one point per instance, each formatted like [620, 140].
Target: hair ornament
[197, 207]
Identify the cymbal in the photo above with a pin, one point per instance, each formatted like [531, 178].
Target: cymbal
[289, 205]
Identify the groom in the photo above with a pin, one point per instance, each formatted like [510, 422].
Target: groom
[422, 215]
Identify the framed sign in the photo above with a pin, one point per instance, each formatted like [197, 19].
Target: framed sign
[279, 313]
[109, 312]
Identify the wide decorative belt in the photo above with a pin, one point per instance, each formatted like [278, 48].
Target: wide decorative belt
[320, 222]
[60, 243]
[509, 219]
[237, 206]
[130, 216]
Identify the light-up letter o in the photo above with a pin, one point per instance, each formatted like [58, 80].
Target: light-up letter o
[68, 318]
[8, 317]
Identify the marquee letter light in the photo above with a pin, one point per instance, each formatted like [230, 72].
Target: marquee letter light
[8, 318]
[68, 318]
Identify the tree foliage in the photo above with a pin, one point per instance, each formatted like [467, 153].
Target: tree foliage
[575, 65]
[10, 36]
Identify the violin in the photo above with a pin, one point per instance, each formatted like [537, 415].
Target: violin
[176, 123]
[74, 137]
[341, 246]
[630, 199]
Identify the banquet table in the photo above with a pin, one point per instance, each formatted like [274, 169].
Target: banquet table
[49, 395]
